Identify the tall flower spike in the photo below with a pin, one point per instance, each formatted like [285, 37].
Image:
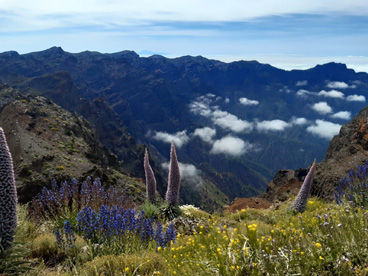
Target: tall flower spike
[8, 194]
[172, 193]
[150, 179]
[301, 199]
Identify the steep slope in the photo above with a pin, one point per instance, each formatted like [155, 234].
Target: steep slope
[346, 151]
[47, 142]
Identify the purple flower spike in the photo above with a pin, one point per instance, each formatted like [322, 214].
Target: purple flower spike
[8, 194]
[150, 179]
[172, 193]
[301, 199]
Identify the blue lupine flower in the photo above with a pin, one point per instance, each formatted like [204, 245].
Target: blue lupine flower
[158, 236]
[170, 234]
[353, 187]
[69, 234]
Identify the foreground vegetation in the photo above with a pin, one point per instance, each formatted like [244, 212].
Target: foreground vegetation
[88, 229]
[327, 239]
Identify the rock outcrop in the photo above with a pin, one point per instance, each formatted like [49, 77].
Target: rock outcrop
[346, 150]
[48, 142]
[284, 184]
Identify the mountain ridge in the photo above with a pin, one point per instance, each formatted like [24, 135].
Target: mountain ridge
[154, 95]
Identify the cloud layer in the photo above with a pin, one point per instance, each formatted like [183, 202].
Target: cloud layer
[331, 94]
[355, 98]
[188, 173]
[206, 133]
[301, 83]
[230, 145]
[123, 12]
[180, 138]
[272, 125]
[322, 108]
[324, 129]
[203, 106]
[245, 101]
[230, 121]
[344, 115]
[337, 85]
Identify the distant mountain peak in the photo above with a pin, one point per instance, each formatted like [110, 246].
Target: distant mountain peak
[10, 54]
[51, 52]
[55, 50]
[126, 54]
[332, 65]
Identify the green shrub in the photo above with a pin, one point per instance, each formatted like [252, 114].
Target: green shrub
[145, 263]
[151, 210]
[44, 248]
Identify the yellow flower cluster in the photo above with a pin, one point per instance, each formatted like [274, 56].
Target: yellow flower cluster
[252, 227]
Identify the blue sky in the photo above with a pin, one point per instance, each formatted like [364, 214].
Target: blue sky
[286, 33]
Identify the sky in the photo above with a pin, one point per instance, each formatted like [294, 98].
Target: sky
[288, 34]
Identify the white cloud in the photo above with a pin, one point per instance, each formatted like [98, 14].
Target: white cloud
[322, 108]
[180, 138]
[355, 98]
[120, 12]
[324, 129]
[188, 173]
[199, 108]
[203, 106]
[246, 101]
[229, 121]
[331, 94]
[273, 125]
[206, 133]
[303, 93]
[337, 85]
[227, 100]
[299, 121]
[301, 83]
[285, 89]
[231, 146]
[345, 115]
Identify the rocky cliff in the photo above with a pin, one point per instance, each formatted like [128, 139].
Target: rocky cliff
[47, 142]
[346, 150]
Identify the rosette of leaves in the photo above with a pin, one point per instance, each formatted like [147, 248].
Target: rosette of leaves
[150, 179]
[300, 202]
[170, 211]
[8, 195]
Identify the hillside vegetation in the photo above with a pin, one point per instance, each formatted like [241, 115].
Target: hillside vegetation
[88, 229]
[325, 240]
